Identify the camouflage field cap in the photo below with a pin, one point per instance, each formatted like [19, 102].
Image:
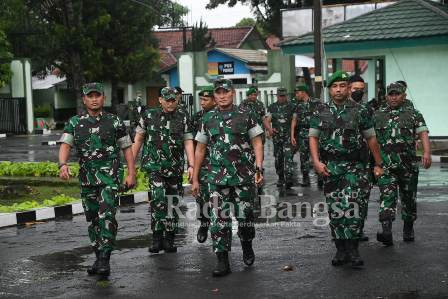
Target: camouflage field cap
[206, 91]
[281, 91]
[223, 83]
[251, 90]
[302, 87]
[395, 87]
[168, 93]
[91, 87]
[338, 76]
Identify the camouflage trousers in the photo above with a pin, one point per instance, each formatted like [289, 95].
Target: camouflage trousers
[346, 196]
[304, 150]
[403, 180]
[227, 200]
[202, 200]
[165, 194]
[283, 155]
[100, 207]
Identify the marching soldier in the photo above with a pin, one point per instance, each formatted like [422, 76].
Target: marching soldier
[396, 125]
[278, 121]
[337, 133]
[300, 126]
[228, 132]
[98, 137]
[164, 132]
[202, 200]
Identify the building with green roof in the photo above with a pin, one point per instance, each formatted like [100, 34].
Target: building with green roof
[407, 40]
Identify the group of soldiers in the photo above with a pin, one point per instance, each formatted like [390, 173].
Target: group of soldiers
[350, 143]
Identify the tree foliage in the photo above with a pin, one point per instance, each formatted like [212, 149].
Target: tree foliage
[104, 40]
[268, 12]
[201, 38]
[245, 22]
[5, 60]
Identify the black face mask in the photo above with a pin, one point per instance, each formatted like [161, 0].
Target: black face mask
[357, 95]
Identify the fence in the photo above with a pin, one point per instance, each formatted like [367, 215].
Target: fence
[13, 115]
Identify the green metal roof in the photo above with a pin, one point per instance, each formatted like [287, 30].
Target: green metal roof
[406, 19]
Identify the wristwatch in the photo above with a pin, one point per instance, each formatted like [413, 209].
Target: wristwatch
[258, 169]
[61, 164]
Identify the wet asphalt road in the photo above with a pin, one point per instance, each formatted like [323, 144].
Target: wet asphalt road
[50, 259]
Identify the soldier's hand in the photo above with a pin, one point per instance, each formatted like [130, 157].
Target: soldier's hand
[258, 178]
[293, 141]
[426, 160]
[195, 188]
[190, 174]
[321, 169]
[130, 181]
[64, 172]
[378, 171]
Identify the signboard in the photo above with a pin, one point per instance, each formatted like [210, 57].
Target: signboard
[221, 68]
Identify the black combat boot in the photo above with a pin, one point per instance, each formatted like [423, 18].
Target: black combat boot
[362, 236]
[248, 252]
[352, 250]
[386, 235]
[92, 270]
[223, 265]
[103, 263]
[168, 242]
[340, 256]
[408, 231]
[157, 245]
[305, 179]
[203, 230]
[288, 184]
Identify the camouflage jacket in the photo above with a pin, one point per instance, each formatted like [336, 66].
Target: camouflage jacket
[165, 133]
[303, 113]
[196, 125]
[257, 108]
[98, 141]
[281, 116]
[136, 111]
[396, 130]
[228, 135]
[341, 131]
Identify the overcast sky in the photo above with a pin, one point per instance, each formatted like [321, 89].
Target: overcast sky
[222, 16]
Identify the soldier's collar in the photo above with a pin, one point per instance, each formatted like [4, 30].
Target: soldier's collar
[347, 103]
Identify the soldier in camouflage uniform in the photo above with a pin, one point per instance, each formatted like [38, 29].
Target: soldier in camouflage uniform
[181, 105]
[279, 116]
[356, 93]
[136, 111]
[164, 132]
[300, 126]
[207, 104]
[229, 133]
[252, 104]
[396, 125]
[98, 137]
[337, 133]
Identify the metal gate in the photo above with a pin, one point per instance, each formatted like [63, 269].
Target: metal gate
[187, 99]
[13, 115]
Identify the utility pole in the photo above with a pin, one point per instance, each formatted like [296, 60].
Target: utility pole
[317, 17]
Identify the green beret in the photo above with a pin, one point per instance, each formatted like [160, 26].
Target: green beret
[206, 91]
[251, 90]
[302, 87]
[338, 76]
